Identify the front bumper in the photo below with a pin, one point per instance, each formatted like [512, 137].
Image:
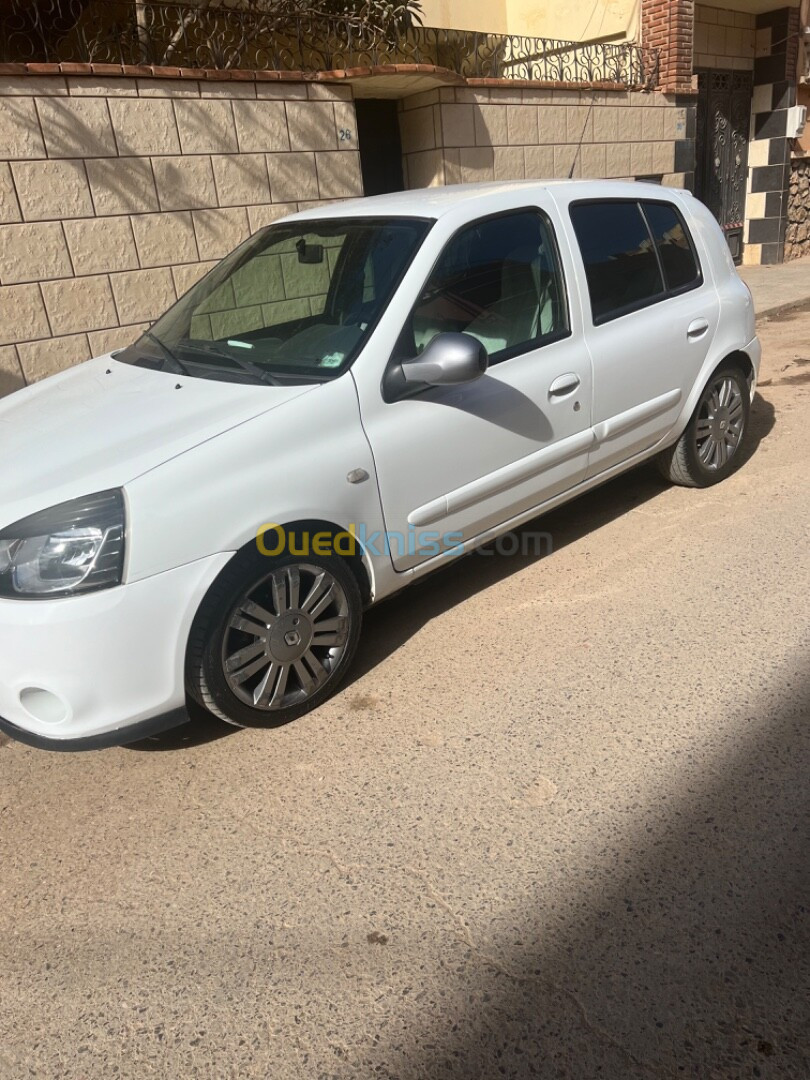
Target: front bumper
[103, 669]
[144, 729]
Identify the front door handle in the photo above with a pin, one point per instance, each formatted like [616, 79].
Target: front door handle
[565, 384]
[697, 329]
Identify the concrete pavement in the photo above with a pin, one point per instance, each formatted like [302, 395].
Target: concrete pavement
[777, 287]
[555, 827]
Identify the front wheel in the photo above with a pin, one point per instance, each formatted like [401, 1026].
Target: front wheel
[710, 448]
[274, 638]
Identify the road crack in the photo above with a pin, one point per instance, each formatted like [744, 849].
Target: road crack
[485, 957]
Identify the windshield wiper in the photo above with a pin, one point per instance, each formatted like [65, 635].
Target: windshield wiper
[236, 361]
[168, 355]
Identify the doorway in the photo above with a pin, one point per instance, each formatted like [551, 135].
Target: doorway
[380, 145]
[723, 119]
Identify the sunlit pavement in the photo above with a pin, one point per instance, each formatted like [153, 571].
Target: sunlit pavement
[775, 287]
[557, 826]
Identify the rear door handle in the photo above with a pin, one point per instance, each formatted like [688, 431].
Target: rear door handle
[565, 384]
[697, 329]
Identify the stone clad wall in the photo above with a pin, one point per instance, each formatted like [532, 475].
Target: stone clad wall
[452, 136]
[797, 240]
[117, 194]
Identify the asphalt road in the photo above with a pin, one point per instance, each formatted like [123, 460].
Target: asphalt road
[557, 826]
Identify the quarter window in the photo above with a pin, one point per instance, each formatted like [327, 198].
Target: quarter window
[621, 264]
[677, 255]
[498, 280]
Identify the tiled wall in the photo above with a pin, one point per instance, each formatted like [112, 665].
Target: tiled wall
[769, 167]
[724, 39]
[463, 135]
[116, 194]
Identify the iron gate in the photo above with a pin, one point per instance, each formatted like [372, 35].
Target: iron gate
[723, 119]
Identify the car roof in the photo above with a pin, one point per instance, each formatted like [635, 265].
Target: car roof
[478, 199]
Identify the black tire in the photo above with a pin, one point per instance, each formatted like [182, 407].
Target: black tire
[684, 462]
[249, 578]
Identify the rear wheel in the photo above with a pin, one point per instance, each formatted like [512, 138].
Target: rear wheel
[273, 639]
[710, 448]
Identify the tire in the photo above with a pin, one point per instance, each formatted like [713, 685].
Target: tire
[273, 638]
[710, 448]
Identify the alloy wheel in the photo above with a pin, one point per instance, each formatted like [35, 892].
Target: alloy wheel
[285, 637]
[720, 423]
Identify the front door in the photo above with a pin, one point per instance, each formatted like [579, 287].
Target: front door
[455, 461]
[723, 119]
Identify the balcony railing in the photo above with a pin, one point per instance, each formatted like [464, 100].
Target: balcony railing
[186, 35]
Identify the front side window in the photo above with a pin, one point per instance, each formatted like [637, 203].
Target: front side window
[621, 264]
[295, 302]
[498, 280]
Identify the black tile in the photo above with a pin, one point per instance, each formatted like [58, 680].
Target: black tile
[684, 155]
[769, 69]
[767, 178]
[771, 254]
[777, 19]
[772, 125]
[763, 231]
[773, 204]
[784, 95]
[778, 151]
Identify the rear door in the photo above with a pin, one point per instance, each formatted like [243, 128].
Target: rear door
[649, 322]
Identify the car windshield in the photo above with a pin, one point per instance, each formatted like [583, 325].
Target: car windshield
[295, 302]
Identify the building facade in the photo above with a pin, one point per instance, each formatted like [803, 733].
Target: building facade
[122, 181]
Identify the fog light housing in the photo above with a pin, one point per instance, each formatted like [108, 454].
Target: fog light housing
[44, 706]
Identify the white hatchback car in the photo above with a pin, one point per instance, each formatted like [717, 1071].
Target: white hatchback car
[354, 396]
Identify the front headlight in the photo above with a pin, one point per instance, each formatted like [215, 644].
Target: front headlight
[72, 548]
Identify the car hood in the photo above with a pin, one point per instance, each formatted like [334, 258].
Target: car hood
[101, 424]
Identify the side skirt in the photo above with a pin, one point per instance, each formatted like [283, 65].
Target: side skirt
[437, 561]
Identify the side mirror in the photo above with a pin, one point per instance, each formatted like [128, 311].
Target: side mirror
[446, 360]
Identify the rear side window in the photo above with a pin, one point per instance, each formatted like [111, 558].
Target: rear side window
[621, 263]
[635, 254]
[678, 259]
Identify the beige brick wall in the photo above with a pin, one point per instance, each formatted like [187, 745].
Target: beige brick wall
[454, 136]
[724, 39]
[117, 194]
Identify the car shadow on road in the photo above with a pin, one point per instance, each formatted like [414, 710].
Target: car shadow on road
[388, 626]
[683, 949]
[201, 727]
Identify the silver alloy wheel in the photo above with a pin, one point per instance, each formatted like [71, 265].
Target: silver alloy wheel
[720, 423]
[285, 637]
